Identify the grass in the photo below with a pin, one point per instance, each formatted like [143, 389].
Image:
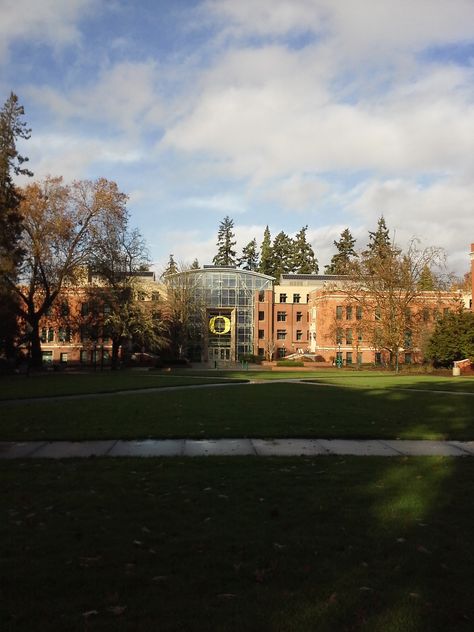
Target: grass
[248, 410]
[52, 384]
[242, 544]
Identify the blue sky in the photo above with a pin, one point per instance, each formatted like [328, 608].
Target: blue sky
[326, 113]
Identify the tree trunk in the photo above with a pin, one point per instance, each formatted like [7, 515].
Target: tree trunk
[114, 365]
[36, 359]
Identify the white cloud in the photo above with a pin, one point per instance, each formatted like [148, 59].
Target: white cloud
[52, 22]
[297, 192]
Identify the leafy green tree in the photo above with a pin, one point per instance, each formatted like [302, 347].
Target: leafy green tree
[118, 259]
[452, 339]
[427, 279]
[225, 244]
[266, 254]
[12, 128]
[342, 260]
[303, 259]
[249, 258]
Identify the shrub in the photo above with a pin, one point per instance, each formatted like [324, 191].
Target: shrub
[290, 363]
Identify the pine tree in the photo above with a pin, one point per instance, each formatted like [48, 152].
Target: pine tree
[341, 261]
[172, 266]
[265, 266]
[195, 265]
[427, 280]
[379, 240]
[303, 260]
[11, 129]
[225, 244]
[249, 258]
[282, 251]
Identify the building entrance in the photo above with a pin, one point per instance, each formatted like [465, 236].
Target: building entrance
[220, 335]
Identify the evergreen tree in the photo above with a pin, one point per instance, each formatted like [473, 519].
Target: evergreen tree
[172, 266]
[303, 260]
[341, 261]
[195, 265]
[266, 256]
[282, 254]
[427, 280]
[249, 258]
[12, 127]
[225, 244]
[379, 240]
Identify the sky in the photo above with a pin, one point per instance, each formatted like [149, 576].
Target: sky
[286, 113]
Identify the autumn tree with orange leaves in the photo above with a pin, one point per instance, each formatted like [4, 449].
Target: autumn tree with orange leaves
[60, 225]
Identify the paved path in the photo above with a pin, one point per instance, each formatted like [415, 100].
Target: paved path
[232, 447]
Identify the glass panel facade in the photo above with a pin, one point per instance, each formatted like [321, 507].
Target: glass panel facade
[229, 299]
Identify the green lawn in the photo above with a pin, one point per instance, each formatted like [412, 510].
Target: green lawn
[51, 384]
[383, 410]
[243, 544]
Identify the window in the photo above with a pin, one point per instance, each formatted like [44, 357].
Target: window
[339, 358]
[261, 315]
[62, 334]
[281, 352]
[307, 298]
[107, 309]
[282, 298]
[64, 309]
[296, 298]
[426, 314]
[299, 317]
[359, 358]
[408, 314]
[84, 357]
[281, 334]
[378, 358]
[359, 312]
[43, 334]
[408, 358]
[299, 334]
[84, 309]
[281, 317]
[408, 339]
[349, 357]
[63, 358]
[261, 296]
[261, 352]
[261, 334]
[47, 357]
[359, 336]
[50, 334]
[348, 312]
[339, 312]
[339, 336]
[84, 334]
[348, 336]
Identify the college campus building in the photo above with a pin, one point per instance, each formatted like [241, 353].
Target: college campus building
[242, 313]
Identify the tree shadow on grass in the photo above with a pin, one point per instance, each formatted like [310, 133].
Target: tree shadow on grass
[287, 544]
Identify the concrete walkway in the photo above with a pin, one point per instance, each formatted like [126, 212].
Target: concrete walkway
[232, 447]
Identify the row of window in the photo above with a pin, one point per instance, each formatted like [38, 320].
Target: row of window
[296, 298]
[281, 316]
[348, 312]
[64, 334]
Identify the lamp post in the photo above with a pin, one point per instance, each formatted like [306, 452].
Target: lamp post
[339, 356]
